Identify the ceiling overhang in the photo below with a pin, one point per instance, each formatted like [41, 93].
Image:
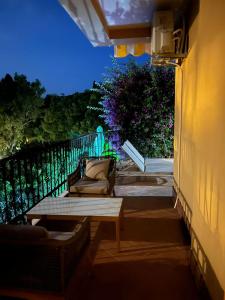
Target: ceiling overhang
[103, 27]
[126, 24]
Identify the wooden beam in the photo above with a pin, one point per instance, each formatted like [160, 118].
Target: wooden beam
[100, 14]
[123, 32]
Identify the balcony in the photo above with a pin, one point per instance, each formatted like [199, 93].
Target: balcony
[154, 260]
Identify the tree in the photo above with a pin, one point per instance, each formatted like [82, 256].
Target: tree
[29, 117]
[87, 119]
[68, 116]
[20, 104]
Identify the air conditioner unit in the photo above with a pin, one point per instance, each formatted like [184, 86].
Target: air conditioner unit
[162, 33]
[169, 46]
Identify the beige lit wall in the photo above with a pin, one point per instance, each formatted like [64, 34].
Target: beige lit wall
[200, 118]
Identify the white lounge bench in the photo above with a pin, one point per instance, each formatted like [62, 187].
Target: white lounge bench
[132, 152]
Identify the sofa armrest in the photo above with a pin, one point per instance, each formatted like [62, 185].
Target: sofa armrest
[112, 176]
[112, 172]
[74, 177]
[44, 264]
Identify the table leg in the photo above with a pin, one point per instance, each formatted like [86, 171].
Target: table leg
[118, 234]
[121, 219]
[29, 221]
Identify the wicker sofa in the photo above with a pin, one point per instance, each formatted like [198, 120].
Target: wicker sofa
[42, 257]
[81, 185]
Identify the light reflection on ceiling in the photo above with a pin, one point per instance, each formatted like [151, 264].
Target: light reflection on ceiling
[126, 12]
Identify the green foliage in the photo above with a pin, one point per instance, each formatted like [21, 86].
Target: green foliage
[20, 103]
[109, 151]
[26, 116]
[67, 116]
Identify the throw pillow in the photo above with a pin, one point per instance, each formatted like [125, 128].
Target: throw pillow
[97, 169]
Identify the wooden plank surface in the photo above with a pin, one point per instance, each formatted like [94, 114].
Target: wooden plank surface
[74, 206]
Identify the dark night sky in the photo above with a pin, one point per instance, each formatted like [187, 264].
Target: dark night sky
[40, 40]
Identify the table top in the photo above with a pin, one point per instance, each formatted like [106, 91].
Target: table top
[69, 207]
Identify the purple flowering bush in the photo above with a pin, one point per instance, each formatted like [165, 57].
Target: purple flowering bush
[139, 99]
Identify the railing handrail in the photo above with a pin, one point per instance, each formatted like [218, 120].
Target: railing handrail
[39, 146]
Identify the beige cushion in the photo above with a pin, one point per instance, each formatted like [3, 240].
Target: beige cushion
[60, 236]
[84, 186]
[97, 169]
[22, 232]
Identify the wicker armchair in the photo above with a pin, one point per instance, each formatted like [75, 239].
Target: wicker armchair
[80, 185]
[36, 258]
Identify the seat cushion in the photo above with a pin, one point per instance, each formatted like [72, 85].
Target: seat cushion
[58, 225]
[97, 169]
[85, 186]
[60, 236]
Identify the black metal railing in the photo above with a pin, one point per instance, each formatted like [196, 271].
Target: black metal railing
[33, 174]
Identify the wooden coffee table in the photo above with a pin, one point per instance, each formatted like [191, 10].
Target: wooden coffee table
[73, 208]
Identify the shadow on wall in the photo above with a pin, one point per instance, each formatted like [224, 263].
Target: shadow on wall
[207, 194]
[201, 175]
[203, 272]
[200, 266]
[184, 209]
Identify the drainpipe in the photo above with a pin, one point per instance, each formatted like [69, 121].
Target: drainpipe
[180, 131]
